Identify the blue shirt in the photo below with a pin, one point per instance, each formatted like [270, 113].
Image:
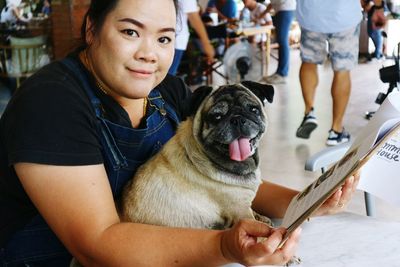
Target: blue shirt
[229, 9]
[328, 16]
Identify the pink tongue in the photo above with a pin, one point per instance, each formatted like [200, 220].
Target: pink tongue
[240, 149]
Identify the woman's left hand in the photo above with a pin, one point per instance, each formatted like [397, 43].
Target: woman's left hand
[341, 198]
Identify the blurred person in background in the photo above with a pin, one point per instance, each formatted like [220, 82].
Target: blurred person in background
[13, 13]
[189, 12]
[337, 25]
[282, 20]
[375, 23]
[227, 9]
[257, 15]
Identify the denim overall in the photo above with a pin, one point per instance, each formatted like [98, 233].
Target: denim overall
[124, 150]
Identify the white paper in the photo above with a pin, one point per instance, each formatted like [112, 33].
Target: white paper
[380, 176]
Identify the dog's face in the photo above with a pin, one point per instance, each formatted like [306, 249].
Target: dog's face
[229, 123]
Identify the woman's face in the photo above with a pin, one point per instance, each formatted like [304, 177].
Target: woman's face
[134, 49]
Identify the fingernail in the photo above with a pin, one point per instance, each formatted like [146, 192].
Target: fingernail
[299, 230]
[282, 230]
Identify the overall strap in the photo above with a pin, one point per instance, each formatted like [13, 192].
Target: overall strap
[108, 139]
[77, 69]
[156, 101]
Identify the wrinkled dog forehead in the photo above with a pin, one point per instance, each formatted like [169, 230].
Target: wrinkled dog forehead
[235, 95]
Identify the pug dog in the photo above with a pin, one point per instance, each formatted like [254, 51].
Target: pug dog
[207, 175]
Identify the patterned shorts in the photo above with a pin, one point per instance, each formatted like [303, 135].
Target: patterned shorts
[341, 46]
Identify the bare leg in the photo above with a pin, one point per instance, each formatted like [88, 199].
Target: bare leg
[309, 82]
[341, 87]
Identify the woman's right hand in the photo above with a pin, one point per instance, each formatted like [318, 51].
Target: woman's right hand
[239, 244]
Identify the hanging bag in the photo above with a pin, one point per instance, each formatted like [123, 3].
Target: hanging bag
[378, 18]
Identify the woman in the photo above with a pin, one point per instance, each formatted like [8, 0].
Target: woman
[76, 131]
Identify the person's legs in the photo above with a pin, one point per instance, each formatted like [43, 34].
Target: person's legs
[283, 23]
[176, 62]
[313, 52]
[343, 48]
[341, 87]
[377, 38]
[309, 82]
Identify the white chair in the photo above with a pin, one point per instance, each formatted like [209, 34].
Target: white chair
[323, 159]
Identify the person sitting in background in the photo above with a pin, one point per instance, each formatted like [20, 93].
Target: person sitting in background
[258, 16]
[226, 9]
[46, 9]
[12, 13]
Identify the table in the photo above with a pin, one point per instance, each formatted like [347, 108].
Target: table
[36, 26]
[265, 46]
[348, 240]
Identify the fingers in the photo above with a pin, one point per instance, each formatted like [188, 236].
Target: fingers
[348, 189]
[287, 251]
[269, 245]
[240, 244]
[357, 177]
[237, 243]
[256, 228]
[341, 198]
[290, 247]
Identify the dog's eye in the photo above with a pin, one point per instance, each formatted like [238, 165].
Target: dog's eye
[217, 117]
[255, 110]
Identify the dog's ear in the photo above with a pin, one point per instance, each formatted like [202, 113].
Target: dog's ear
[197, 97]
[262, 90]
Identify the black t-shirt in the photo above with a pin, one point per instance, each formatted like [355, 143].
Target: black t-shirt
[50, 120]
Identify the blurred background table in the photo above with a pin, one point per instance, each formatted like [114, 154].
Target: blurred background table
[265, 45]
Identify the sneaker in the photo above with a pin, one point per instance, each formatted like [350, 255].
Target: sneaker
[275, 79]
[308, 125]
[335, 138]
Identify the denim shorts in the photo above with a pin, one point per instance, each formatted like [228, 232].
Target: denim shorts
[341, 46]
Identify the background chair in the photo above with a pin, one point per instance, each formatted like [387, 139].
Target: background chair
[198, 66]
[23, 57]
[219, 38]
[325, 158]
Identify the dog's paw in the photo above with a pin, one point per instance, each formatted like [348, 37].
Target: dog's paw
[293, 261]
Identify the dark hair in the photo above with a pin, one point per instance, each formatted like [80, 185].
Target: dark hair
[98, 11]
